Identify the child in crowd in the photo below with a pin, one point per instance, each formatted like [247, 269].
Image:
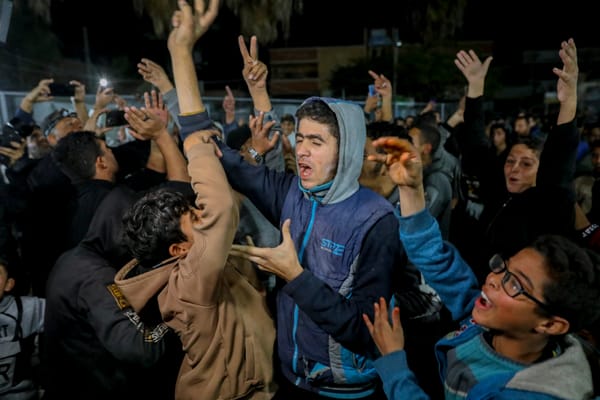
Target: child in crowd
[515, 341]
[21, 321]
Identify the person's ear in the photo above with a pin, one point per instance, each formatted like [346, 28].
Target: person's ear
[100, 163]
[554, 326]
[51, 140]
[9, 285]
[427, 147]
[179, 249]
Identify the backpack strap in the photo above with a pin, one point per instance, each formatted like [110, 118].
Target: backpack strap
[18, 329]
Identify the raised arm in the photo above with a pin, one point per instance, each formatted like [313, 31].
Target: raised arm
[265, 143]
[255, 74]
[188, 26]
[38, 94]
[557, 161]
[438, 260]
[475, 72]
[155, 74]
[384, 89]
[151, 123]
[566, 87]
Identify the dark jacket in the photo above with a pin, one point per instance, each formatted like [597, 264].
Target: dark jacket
[379, 268]
[96, 346]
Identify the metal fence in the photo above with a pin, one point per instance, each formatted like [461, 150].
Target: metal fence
[10, 101]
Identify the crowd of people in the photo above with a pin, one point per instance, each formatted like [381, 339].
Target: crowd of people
[341, 252]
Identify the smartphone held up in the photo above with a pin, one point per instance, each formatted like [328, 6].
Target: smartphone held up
[61, 89]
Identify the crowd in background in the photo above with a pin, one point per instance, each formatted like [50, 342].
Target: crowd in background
[157, 252]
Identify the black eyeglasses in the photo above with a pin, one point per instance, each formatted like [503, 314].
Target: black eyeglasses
[510, 283]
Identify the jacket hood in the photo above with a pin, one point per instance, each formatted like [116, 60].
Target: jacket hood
[137, 288]
[353, 133]
[442, 161]
[104, 235]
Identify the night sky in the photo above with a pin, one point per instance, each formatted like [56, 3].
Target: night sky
[115, 31]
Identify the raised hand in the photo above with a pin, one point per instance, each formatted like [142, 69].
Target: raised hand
[14, 152]
[260, 133]
[79, 95]
[154, 74]
[382, 84]
[388, 338]
[38, 94]
[566, 86]
[104, 96]
[153, 102]
[189, 25]
[254, 72]
[474, 71]
[204, 16]
[402, 160]
[281, 260]
[144, 124]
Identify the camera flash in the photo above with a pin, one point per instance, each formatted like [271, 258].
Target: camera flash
[103, 82]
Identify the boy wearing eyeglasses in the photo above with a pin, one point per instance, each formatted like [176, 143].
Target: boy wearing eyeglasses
[514, 341]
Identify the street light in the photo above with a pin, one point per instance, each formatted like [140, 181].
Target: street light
[397, 43]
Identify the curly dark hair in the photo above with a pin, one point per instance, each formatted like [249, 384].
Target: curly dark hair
[153, 224]
[574, 272]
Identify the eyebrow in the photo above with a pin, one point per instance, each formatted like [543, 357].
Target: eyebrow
[523, 277]
[526, 158]
[311, 136]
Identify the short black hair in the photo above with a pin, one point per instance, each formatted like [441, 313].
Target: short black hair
[318, 111]
[595, 144]
[574, 287]
[76, 155]
[531, 142]
[8, 265]
[153, 224]
[428, 132]
[288, 118]
[377, 129]
[238, 136]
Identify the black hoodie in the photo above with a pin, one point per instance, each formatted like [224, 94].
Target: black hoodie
[96, 347]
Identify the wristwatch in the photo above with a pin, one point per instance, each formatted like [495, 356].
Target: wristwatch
[256, 155]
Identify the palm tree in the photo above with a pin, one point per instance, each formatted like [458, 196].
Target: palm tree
[266, 19]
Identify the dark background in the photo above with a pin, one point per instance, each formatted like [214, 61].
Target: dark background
[114, 30]
[117, 38]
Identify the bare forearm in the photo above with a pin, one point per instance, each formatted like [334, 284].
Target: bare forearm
[81, 110]
[186, 82]
[260, 99]
[175, 162]
[412, 200]
[386, 109]
[567, 112]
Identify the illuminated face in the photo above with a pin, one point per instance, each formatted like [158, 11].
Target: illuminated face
[316, 153]
[63, 128]
[6, 283]
[499, 138]
[37, 144]
[287, 127]
[520, 168]
[110, 160]
[521, 127]
[495, 309]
